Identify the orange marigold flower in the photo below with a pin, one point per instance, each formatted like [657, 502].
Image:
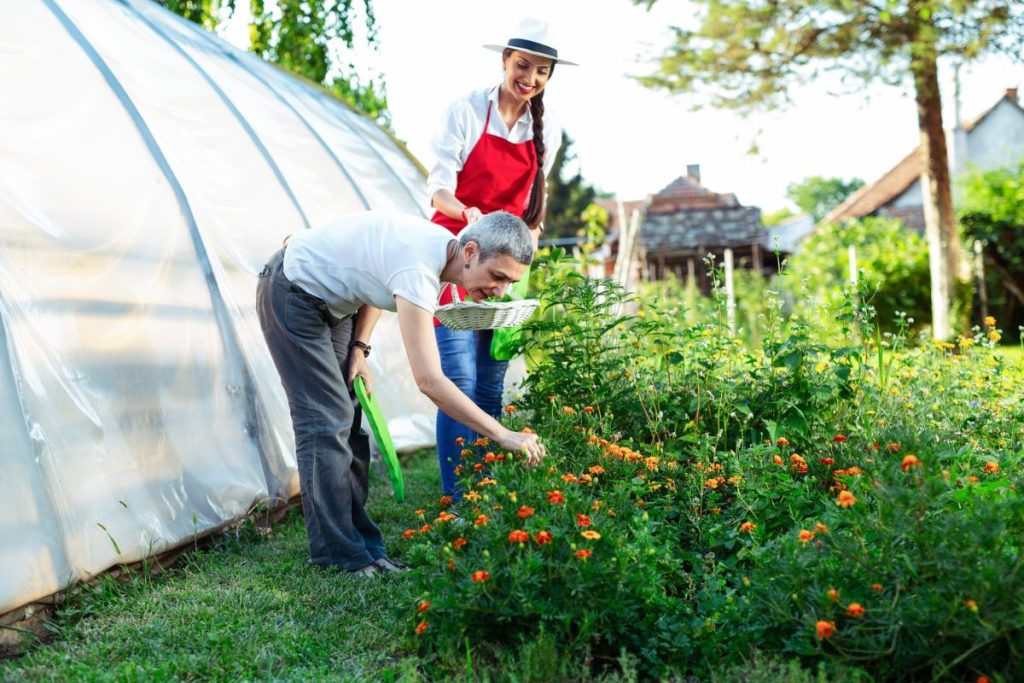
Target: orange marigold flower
[425, 528]
[825, 629]
[982, 679]
[527, 430]
[827, 461]
[876, 587]
[459, 542]
[782, 442]
[839, 438]
[459, 441]
[482, 442]
[556, 497]
[518, 536]
[893, 447]
[525, 512]
[777, 460]
[582, 520]
[487, 481]
[589, 410]
[458, 470]
[422, 627]
[820, 528]
[590, 535]
[991, 467]
[481, 520]
[910, 461]
[711, 483]
[570, 478]
[542, 537]
[445, 501]
[480, 576]
[846, 499]
[472, 496]
[596, 469]
[583, 554]
[490, 457]
[420, 511]
[478, 467]
[747, 527]
[972, 479]
[568, 410]
[445, 517]
[510, 409]
[854, 610]
[451, 565]
[423, 606]
[833, 595]
[971, 605]
[796, 458]
[805, 536]
[408, 533]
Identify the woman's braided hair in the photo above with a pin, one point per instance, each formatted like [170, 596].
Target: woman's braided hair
[536, 207]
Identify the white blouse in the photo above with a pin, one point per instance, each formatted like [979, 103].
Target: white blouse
[464, 124]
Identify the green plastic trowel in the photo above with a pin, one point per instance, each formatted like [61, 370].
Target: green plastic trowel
[379, 427]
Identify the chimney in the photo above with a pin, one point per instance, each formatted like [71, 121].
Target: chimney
[1012, 94]
[693, 172]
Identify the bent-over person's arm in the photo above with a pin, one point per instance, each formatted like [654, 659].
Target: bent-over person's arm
[421, 348]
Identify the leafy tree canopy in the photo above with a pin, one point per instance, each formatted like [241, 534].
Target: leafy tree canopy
[746, 53]
[307, 38]
[817, 195]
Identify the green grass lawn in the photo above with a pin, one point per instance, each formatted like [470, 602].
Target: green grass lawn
[247, 608]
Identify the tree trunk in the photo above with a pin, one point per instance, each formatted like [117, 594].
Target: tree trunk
[940, 228]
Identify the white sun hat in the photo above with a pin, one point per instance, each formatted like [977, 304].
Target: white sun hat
[532, 36]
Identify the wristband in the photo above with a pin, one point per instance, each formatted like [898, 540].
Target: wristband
[358, 344]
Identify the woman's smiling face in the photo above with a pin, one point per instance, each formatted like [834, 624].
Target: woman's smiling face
[525, 74]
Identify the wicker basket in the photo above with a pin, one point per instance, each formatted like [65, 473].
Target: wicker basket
[470, 315]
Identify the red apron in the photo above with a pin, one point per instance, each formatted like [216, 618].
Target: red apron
[497, 176]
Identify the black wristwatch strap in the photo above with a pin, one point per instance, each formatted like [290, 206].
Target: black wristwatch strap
[361, 345]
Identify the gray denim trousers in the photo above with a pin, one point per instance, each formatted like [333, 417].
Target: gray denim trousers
[310, 350]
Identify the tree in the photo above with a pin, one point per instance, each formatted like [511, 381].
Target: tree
[817, 195]
[303, 36]
[746, 53]
[567, 199]
[992, 212]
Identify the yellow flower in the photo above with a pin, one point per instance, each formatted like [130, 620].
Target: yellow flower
[994, 336]
[990, 321]
[590, 535]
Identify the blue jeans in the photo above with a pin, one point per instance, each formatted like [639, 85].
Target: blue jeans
[310, 350]
[466, 361]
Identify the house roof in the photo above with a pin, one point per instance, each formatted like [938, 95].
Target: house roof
[897, 180]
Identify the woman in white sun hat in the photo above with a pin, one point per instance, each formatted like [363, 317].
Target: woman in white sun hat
[493, 150]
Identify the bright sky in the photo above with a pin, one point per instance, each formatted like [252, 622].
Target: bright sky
[632, 141]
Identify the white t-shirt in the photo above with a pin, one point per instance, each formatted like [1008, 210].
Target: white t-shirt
[368, 258]
[462, 127]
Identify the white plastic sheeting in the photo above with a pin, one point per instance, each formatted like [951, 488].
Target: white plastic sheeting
[147, 171]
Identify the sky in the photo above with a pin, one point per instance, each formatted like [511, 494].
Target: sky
[631, 141]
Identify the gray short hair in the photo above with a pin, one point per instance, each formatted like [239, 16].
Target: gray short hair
[500, 233]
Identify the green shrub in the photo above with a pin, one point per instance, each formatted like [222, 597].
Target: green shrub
[893, 265]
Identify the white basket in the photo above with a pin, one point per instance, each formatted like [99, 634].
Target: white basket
[470, 315]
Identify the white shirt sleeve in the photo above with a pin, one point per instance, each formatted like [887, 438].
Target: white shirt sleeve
[418, 287]
[552, 141]
[449, 147]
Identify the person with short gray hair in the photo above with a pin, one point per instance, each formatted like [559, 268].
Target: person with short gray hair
[500, 233]
[318, 300]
